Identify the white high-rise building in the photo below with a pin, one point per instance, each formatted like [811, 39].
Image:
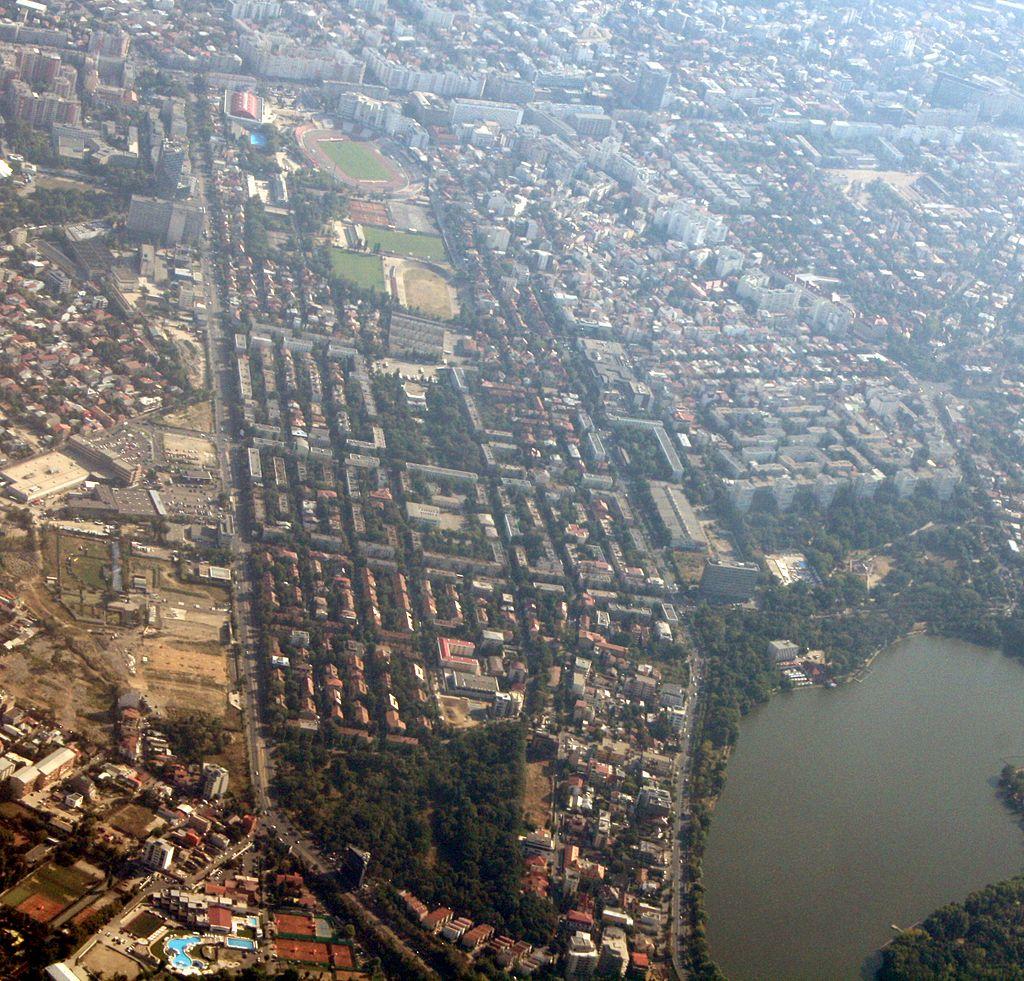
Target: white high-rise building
[215, 781]
[158, 855]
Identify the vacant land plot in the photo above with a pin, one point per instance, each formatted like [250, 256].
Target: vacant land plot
[182, 677]
[186, 611]
[189, 451]
[364, 271]
[105, 962]
[458, 711]
[198, 417]
[428, 292]
[856, 182]
[537, 798]
[412, 244]
[191, 349]
[234, 757]
[83, 569]
[133, 820]
[360, 161]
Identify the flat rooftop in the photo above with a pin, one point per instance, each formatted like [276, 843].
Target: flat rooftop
[51, 473]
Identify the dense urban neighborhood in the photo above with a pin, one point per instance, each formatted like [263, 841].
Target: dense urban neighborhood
[428, 429]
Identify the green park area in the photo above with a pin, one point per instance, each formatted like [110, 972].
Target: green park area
[360, 161]
[364, 271]
[415, 245]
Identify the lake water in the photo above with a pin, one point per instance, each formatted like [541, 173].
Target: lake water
[847, 811]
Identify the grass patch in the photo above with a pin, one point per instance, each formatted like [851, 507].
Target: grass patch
[144, 925]
[364, 271]
[89, 572]
[133, 820]
[415, 245]
[360, 161]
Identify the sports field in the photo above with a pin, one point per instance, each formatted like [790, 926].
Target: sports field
[426, 291]
[357, 163]
[302, 951]
[412, 244]
[144, 925]
[364, 271]
[360, 161]
[48, 890]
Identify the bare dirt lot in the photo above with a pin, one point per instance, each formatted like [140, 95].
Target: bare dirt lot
[179, 677]
[105, 962]
[48, 674]
[63, 669]
[133, 820]
[187, 611]
[458, 711]
[75, 669]
[855, 183]
[198, 417]
[189, 451]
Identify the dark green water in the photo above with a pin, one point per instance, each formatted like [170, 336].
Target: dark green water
[846, 811]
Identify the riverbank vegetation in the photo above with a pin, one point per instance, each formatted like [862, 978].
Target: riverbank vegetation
[983, 937]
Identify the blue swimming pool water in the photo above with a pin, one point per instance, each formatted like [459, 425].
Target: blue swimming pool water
[178, 949]
[257, 139]
[241, 943]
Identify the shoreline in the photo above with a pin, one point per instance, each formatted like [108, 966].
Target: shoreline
[862, 671]
[873, 956]
[858, 675]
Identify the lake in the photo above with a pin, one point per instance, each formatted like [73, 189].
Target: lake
[849, 810]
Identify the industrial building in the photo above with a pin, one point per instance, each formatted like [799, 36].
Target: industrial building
[38, 775]
[39, 477]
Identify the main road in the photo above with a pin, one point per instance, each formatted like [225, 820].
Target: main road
[680, 883]
[220, 372]
[221, 369]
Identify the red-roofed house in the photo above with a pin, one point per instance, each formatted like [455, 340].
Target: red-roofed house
[438, 918]
[220, 919]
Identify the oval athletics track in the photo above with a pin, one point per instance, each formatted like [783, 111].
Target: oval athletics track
[356, 163]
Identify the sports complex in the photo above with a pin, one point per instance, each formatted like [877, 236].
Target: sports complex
[355, 162]
[388, 244]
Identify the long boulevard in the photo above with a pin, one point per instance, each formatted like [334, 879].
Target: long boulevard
[246, 648]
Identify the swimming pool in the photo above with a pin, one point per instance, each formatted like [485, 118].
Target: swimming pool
[178, 948]
[240, 943]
